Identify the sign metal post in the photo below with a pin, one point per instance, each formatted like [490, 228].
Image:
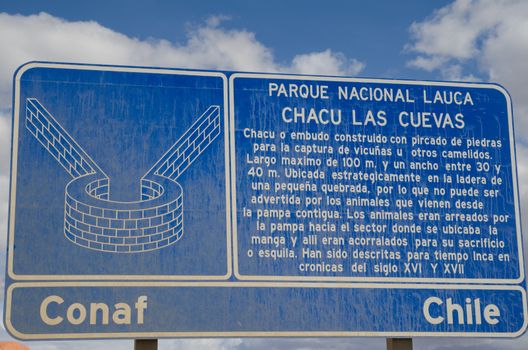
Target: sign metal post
[399, 344]
[146, 344]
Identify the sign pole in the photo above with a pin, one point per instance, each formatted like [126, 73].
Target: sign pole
[145, 344]
[399, 344]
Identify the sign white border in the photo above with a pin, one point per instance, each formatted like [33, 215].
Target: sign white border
[231, 220]
[12, 204]
[219, 284]
[499, 88]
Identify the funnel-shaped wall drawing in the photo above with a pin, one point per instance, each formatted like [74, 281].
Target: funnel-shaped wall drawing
[91, 219]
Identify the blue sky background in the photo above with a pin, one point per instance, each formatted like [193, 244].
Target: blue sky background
[367, 30]
[479, 40]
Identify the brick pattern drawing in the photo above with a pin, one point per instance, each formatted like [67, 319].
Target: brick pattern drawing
[91, 219]
[57, 141]
[185, 151]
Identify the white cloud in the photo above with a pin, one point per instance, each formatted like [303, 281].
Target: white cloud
[326, 62]
[44, 37]
[201, 344]
[470, 344]
[522, 171]
[461, 30]
[223, 344]
[488, 36]
[312, 343]
[183, 344]
[428, 63]
[5, 142]
[452, 31]
[4, 193]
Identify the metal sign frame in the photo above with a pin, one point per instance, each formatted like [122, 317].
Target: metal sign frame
[233, 279]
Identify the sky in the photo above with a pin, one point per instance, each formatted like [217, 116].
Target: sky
[464, 40]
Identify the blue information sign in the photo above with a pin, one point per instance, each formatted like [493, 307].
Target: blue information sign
[163, 203]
